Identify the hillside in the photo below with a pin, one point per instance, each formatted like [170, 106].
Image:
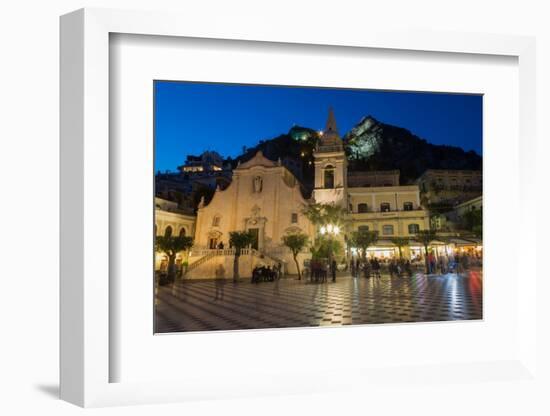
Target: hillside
[369, 145]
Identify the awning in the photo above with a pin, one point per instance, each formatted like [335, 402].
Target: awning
[460, 242]
[383, 244]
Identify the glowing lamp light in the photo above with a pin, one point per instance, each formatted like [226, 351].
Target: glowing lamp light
[329, 228]
[336, 229]
[323, 230]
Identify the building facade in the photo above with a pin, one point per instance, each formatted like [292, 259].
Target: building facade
[449, 187]
[171, 221]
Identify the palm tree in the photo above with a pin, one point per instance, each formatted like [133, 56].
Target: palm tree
[296, 242]
[239, 240]
[363, 239]
[171, 246]
[400, 242]
[426, 237]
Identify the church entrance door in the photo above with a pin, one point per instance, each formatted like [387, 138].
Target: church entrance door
[255, 236]
[213, 243]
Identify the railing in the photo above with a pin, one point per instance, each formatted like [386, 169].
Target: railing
[208, 254]
[374, 211]
[332, 148]
[200, 261]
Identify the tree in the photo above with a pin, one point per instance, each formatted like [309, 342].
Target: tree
[296, 242]
[426, 237]
[239, 240]
[171, 246]
[323, 214]
[400, 242]
[473, 221]
[326, 248]
[363, 239]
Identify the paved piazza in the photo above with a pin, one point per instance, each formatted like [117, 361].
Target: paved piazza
[192, 305]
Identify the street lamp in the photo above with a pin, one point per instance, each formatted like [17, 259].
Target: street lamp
[330, 229]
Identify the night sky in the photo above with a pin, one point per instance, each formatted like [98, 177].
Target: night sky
[193, 117]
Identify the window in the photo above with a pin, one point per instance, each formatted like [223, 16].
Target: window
[329, 177]
[363, 228]
[387, 230]
[216, 221]
[414, 228]
[385, 207]
[294, 218]
[168, 231]
[362, 208]
[182, 232]
[408, 206]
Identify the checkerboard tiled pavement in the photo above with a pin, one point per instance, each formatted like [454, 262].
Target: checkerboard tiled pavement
[192, 306]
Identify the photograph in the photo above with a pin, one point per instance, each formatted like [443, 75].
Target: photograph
[279, 206]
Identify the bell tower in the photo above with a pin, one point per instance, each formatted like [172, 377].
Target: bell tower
[331, 169]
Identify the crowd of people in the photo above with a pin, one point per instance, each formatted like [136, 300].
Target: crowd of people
[453, 263]
[263, 273]
[318, 271]
[372, 267]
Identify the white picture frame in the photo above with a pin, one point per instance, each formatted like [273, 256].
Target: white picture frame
[85, 212]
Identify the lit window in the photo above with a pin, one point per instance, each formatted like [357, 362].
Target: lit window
[414, 228]
[387, 230]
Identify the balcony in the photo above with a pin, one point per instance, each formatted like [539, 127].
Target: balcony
[329, 149]
[377, 214]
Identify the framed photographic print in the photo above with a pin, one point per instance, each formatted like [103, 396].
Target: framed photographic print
[238, 209]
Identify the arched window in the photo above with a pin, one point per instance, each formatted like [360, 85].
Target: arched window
[414, 228]
[385, 207]
[363, 228]
[387, 230]
[362, 208]
[183, 232]
[329, 177]
[216, 221]
[408, 206]
[168, 231]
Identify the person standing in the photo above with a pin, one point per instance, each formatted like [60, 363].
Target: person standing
[220, 282]
[333, 270]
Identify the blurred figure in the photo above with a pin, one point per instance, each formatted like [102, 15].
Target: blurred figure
[220, 282]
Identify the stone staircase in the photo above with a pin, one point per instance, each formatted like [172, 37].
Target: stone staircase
[208, 257]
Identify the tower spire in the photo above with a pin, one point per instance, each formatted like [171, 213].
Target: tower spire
[331, 123]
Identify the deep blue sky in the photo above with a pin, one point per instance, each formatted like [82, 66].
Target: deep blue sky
[193, 117]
